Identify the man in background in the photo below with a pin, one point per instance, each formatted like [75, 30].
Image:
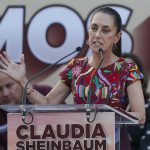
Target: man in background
[11, 93]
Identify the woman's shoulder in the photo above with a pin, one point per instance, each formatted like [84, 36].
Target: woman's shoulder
[129, 65]
[127, 61]
[77, 61]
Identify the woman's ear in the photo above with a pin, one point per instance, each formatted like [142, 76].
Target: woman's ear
[118, 36]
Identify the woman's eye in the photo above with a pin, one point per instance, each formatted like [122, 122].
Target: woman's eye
[105, 31]
[94, 28]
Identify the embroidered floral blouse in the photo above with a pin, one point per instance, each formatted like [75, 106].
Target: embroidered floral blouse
[106, 85]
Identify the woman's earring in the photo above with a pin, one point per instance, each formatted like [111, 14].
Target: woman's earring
[114, 47]
[87, 42]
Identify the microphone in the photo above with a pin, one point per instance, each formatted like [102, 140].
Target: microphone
[88, 110]
[101, 50]
[78, 49]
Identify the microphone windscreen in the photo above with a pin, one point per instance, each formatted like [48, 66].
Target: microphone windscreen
[78, 49]
[100, 50]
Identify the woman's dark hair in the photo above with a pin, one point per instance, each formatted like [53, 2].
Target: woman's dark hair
[112, 12]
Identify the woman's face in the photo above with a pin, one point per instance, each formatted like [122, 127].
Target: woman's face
[103, 32]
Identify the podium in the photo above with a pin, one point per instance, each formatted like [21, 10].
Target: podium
[65, 127]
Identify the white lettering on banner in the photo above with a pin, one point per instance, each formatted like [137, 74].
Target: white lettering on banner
[126, 41]
[74, 28]
[12, 23]
[11, 32]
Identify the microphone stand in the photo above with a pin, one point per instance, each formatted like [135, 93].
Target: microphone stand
[88, 109]
[78, 49]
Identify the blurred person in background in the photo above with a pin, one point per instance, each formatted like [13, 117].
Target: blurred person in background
[11, 93]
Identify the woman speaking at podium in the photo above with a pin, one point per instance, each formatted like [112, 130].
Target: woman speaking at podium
[99, 79]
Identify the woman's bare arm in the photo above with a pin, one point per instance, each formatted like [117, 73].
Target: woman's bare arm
[136, 100]
[57, 95]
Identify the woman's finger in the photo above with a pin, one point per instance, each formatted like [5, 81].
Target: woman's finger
[4, 61]
[3, 71]
[6, 56]
[22, 59]
[2, 65]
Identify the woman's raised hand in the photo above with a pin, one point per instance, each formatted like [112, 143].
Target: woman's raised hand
[12, 69]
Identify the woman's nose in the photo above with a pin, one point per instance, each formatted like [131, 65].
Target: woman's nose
[98, 33]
